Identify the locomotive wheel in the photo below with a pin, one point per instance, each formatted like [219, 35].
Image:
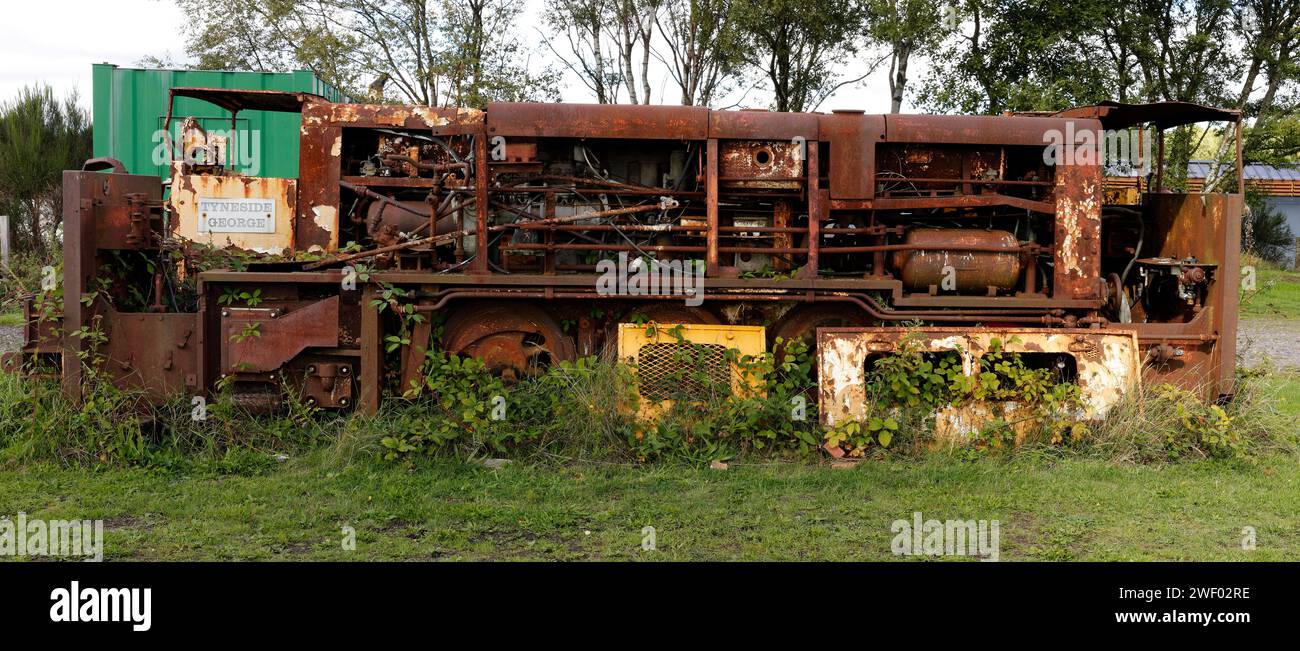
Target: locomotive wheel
[515, 340]
[801, 323]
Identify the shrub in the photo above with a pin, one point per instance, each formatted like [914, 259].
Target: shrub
[1165, 423]
[587, 410]
[907, 390]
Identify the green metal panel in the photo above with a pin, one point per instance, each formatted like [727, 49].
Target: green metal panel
[130, 107]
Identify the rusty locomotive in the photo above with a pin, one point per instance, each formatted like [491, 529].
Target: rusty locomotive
[842, 229]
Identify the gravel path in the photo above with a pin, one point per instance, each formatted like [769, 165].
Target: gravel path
[11, 338]
[1276, 339]
[1279, 340]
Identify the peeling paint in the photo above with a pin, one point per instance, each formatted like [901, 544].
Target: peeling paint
[187, 189]
[325, 217]
[1107, 361]
[430, 116]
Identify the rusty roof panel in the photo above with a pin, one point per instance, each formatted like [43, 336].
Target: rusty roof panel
[980, 129]
[762, 125]
[1115, 115]
[241, 99]
[394, 116]
[598, 121]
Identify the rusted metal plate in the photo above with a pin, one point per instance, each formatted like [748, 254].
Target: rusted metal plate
[422, 118]
[263, 339]
[250, 213]
[852, 137]
[166, 366]
[762, 125]
[1077, 272]
[1208, 228]
[983, 129]
[117, 208]
[319, 147]
[1107, 363]
[760, 164]
[598, 121]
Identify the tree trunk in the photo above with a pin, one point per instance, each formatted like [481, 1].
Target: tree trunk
[898, 81]
[38, 238]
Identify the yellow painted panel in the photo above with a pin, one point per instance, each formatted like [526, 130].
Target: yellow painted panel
[649, 347]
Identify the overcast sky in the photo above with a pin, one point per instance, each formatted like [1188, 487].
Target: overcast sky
[56, 41]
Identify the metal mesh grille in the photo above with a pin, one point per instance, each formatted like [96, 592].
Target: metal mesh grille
[682, 371]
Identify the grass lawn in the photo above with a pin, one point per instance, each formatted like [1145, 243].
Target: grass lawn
[444, 509]
[11, 318]
[1067, 510]
[1277, 294]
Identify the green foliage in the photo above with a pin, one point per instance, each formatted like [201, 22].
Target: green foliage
[462, 391]
[1025, 56]
[1204, 427]
[1264, 231]
[907, 388]
[1274, 139]
[795, 46]
[115, 426]
[429, 53]
[1166, 423]
[761, 407]
[231, 294]
[1049, 56]
[766, 408]
[40, 136]
[574, 409]
[37, 422]
[249, 331]
[23, 277]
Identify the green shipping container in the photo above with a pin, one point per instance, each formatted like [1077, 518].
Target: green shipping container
[130, 107]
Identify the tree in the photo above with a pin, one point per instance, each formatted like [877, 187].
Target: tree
[582, 22]
[437, 53]
[703, 47]
[481, 55]
[634, 28]
[1264, 231]
[795, 46]
[40, 136]
[609, 44]
[906, 27]
[1018, 55]
[1270, 36]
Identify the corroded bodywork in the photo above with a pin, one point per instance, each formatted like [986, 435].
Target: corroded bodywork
[504, 224]
[1105, 364]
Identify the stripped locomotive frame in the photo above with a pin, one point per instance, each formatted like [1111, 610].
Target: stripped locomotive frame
[847, 223]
